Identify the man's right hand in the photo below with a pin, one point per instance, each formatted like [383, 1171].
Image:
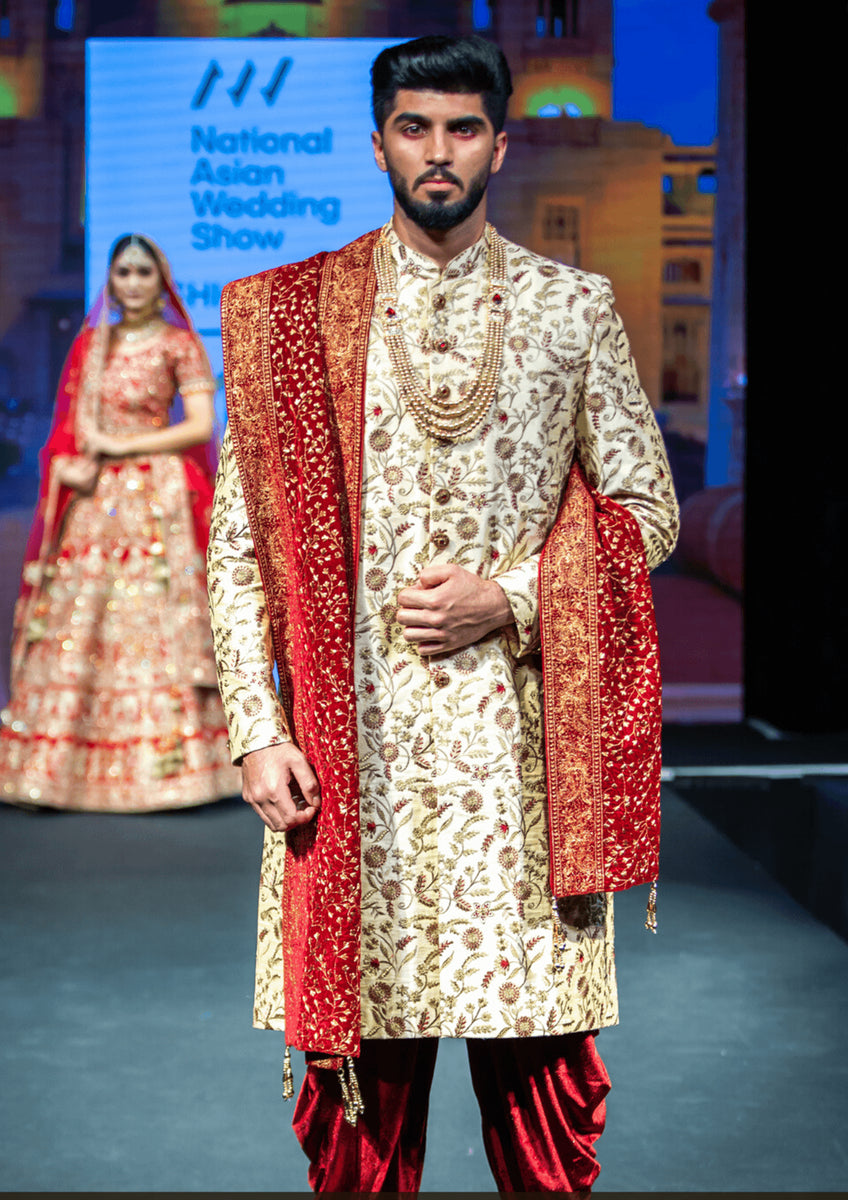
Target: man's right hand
[279, 784]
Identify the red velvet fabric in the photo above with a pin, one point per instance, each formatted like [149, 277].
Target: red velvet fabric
[385, 1151]
[542, 1104]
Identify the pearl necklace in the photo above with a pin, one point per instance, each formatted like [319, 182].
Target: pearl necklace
[451, 420]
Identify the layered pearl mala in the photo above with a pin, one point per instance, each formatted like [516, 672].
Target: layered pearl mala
[439, 415]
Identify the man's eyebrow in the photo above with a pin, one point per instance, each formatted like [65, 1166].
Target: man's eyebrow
[410, 116]
[420, 119]
[477, 122]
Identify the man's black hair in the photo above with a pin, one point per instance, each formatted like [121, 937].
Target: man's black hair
[471, 65]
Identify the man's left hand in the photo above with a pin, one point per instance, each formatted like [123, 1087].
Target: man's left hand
[450, 608]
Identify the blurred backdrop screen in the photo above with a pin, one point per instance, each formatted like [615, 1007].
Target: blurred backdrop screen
[232, 154]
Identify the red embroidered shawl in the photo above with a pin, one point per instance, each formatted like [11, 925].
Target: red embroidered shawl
[295, 342]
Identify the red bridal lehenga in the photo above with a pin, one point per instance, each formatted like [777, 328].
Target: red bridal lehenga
[114, 704]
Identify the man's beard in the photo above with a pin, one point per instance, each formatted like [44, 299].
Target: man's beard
[437, 213]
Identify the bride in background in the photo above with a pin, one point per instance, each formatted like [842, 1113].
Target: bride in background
[114, 705]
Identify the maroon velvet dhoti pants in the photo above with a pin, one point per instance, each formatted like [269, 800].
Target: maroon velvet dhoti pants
[542, 1104]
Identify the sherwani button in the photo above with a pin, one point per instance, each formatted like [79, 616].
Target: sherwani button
[441, 679]
[442, 496]
[443, 392]
[440, 540]
[439, 301]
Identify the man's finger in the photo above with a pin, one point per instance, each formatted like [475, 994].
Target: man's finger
[425, 617]
[423, 633]
[426, 644]
[416, 597]
[435, 574]
[281, 815]
[303, 785]
[269, 816]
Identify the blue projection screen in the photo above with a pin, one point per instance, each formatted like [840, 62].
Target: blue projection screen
[233, 154]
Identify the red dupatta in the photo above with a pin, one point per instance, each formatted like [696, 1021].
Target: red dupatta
[602, 696]
[297, 441]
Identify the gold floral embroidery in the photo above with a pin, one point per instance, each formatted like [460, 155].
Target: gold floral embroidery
[456, 905]
[114, 705]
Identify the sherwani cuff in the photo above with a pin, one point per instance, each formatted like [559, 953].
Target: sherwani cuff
[520, 584]
[261, 734]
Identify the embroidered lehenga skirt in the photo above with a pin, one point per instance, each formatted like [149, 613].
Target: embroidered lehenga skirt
[115, 707]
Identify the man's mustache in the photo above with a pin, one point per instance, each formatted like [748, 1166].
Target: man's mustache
[437, 173]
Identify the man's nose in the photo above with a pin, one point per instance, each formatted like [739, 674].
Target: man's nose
[439, 147]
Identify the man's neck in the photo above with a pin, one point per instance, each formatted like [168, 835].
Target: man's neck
[440, 244]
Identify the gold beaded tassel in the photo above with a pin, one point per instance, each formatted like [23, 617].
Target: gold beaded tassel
[452, 420]
[651, 913]
[288, 1076]
[351, 1095]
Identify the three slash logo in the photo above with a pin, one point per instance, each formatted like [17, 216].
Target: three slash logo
[240, 88]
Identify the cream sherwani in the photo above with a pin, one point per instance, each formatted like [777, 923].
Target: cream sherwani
[457, 919]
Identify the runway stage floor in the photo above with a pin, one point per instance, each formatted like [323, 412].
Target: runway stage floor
[129, 1062]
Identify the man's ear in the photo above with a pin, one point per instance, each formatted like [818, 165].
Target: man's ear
[499, 152]
[377, 147]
